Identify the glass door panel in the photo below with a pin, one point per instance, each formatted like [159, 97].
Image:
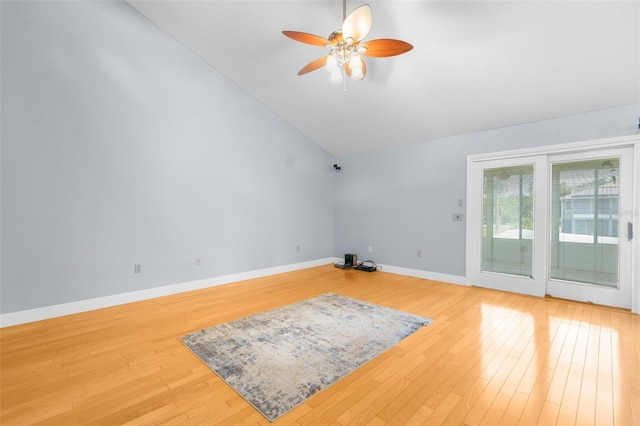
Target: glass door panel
[585, 221]
[507, 216]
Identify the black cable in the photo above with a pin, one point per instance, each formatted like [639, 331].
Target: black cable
[368, 266]
[341, 265]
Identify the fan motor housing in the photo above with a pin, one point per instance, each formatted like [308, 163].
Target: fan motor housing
[336, 37]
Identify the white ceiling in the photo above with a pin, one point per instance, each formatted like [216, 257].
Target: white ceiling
[475, 65]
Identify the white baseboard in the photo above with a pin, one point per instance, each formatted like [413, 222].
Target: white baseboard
[31, 315]
[38, 314]
[419, 273]
[427, 275]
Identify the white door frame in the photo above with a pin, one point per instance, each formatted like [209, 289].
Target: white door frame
[473, 236]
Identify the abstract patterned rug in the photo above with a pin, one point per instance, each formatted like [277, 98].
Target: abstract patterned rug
[279, 358]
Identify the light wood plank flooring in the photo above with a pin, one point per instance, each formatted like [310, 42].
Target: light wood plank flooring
[488, 358]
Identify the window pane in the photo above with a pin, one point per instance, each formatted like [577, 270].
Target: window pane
[584, 217]
[507, 236]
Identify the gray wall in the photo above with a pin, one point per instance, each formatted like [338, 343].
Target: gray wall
[120, 146]
[398, 201]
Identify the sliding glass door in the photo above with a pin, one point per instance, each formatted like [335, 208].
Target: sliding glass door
[553, 224]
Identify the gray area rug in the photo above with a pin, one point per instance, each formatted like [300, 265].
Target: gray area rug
[279, 358]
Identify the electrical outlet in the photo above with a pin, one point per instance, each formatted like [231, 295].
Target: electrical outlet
[197, 261]
[370, 249]
[137, 268]
[457, 217]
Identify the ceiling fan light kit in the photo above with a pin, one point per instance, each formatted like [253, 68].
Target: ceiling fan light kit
[346, 49]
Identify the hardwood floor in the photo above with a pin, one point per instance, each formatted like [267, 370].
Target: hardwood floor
[488, 358]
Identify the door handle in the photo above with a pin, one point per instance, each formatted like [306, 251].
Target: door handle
[629, 231]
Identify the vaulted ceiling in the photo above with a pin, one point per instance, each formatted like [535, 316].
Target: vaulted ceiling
[475, 65]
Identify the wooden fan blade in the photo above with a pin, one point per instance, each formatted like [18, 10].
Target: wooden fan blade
[307, 38]
[384, 47]
[357, 25]
[314, 65]
[349, 71]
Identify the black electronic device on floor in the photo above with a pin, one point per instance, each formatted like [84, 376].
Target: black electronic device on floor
[350, 260]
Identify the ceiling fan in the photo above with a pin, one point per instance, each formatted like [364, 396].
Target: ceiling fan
[346, 47]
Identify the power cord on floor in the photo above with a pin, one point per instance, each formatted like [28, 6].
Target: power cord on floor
[368, 266]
